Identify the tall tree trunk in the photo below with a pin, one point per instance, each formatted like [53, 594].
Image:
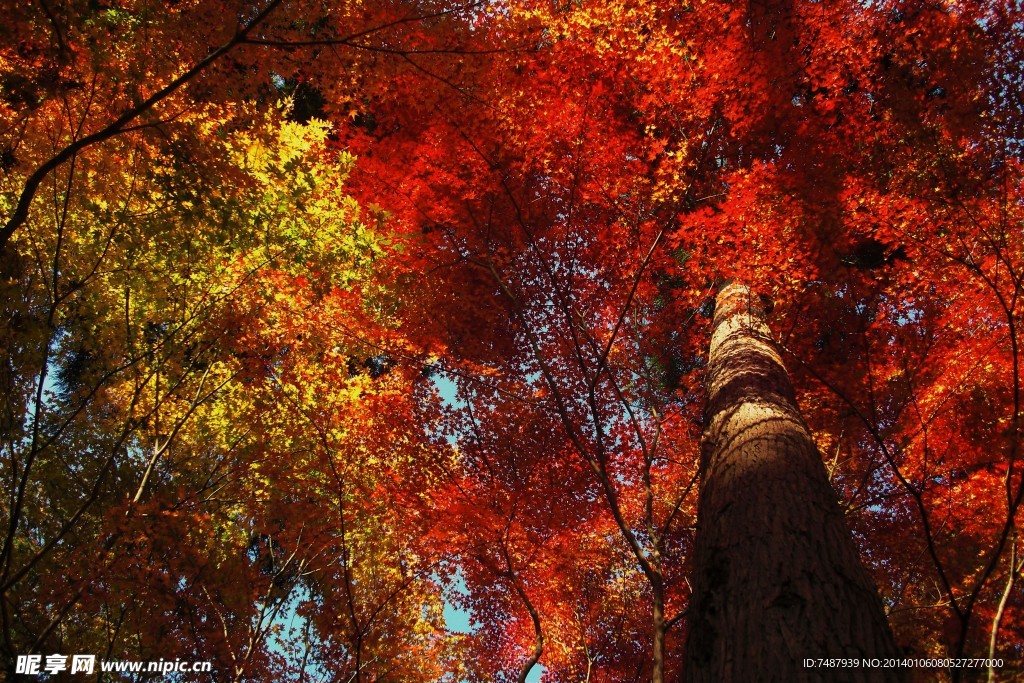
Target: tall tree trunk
[777, 578]
[658, 648]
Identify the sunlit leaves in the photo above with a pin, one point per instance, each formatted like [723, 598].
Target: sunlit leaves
[394, 298]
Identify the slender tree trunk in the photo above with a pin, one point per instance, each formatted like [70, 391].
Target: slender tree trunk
[658, 649]
[777, 578]
[538, 631]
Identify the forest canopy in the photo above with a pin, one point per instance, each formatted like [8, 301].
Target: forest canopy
[513, 340]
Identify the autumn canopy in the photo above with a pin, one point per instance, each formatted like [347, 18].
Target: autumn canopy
[513, 340]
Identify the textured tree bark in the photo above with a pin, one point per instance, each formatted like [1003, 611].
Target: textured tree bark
[658, 646]
[777, 578]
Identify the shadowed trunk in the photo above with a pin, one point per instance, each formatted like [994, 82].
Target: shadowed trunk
[658, 647]
[777, 578]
